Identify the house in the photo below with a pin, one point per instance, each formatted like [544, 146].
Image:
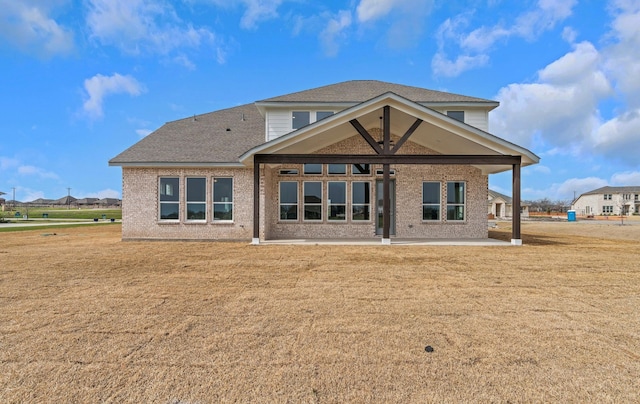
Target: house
[357, 159]
[501, 206]
[608, 201]
[86, 202]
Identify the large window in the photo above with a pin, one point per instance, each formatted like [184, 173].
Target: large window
[313, 169]
[323, 114]
[300, 119]
[337, 169]
[337, 202]
[360, 169]
[455, 200]
[360, 201]
[196, 198]
[288, 200]
[431, 201]
[312, 200]
[457, 115]
[223, 199]
[169, 198]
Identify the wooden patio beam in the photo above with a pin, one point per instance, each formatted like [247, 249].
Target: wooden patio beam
[406, 136]
[366, 136]
[456, 159]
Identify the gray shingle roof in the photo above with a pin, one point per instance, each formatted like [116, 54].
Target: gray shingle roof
[363, 90]
[223, 136]
[203, 140]
[614, 190]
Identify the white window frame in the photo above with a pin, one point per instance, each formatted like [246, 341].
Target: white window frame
[170, 202]
[433, 204]
[366, 204]
[331, 204]
[296, 204]
[225, 204]
[305, 203]
[194, 202]
[454, 204]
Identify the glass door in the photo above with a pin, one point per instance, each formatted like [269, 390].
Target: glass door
[392, 198]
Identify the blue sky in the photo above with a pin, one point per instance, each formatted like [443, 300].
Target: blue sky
[82, 80]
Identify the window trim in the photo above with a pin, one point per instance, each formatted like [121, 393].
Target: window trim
[304, 169]
[438, 204]
[336, 219]
[368, 205]
[463, 204]
[343, 173]
[305, 204]
[160, 202]
[297, 204]
[214, 203]
[187, 202]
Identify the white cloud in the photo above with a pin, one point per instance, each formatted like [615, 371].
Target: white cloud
[626, 178]
[623, 62]
[334, 32]
[473, 46]
[369, 10]
[8, 162]
[37, 171]
[566, 96]
[29, 26]
[619, 138]
[143, 132]
[105, 193]
[143, 26]
[99, 86]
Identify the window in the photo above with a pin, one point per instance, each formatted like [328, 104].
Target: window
[289, 171]
[300, 119]
[169, 198]
[360, 169]
[337, 169]
[637, 196]
[431, 201]
[288, 200]
[196, 198]
[313, 169]
[323, 114]
[381, 172]
[360, 200]
[457, 115]
[455, 201]
[337, 202]
[607, 197]
[607, 209]
[312, 200]
[223, 199]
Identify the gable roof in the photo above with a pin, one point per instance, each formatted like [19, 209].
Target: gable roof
[357, 91]
[497, 195]
[614, 190]
[437, 132]
[229, 137]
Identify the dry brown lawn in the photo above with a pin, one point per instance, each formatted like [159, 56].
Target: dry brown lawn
[85, 317]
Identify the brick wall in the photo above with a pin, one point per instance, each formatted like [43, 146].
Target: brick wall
[140, 206]
[140, 202]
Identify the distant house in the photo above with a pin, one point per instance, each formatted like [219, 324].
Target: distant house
[608, 201]
[65, 201]
[501, 206]
[41, 202]
[357, 159]
[86, 201]
[109, 202]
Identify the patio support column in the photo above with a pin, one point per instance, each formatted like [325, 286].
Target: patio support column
[516, 238]
[256, 202]
[386, 171]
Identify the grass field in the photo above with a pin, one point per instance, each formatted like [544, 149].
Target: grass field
[88, 318]
[62, 213]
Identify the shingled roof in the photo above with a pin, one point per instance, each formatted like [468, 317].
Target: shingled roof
[216, 137]
[221, 137]
[614, 190]
[363, 90]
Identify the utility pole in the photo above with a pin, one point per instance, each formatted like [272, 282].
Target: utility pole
[68, 198]
[13, 203]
